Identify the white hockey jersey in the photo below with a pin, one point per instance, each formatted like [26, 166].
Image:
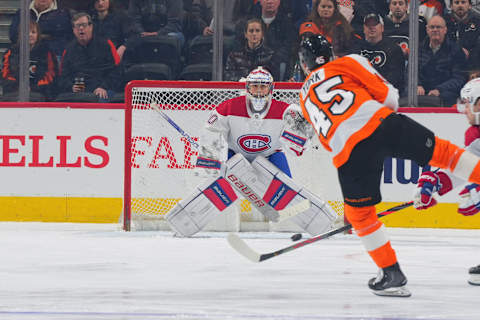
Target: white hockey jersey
[248, 133]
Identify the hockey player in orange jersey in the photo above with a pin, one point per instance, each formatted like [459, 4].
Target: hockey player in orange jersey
[353, 111]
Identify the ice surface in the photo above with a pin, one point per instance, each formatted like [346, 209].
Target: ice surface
[95, 271]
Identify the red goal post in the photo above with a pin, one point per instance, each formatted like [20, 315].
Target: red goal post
[159, 160]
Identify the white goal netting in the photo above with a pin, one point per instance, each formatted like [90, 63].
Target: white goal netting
[162, 159]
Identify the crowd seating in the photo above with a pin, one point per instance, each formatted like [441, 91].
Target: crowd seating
[164, 57]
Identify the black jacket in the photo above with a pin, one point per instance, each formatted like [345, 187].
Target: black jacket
[116, 26]
[97, 62]
[388, 59]
[42, 69]
[162, 16]
[465, 33]
[240, 63]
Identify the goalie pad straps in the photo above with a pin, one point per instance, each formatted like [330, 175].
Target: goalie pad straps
[193, 213]
[281, 192]
[244, 178]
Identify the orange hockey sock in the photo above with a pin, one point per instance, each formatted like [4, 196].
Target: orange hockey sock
[371, 232]
[445, 154]
[461, 163]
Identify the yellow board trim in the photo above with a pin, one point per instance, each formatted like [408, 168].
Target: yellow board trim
[61, 209]
[443, 215]
[109, 210]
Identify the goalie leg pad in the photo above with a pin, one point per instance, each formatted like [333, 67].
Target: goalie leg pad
[282, 192]
[244, 178]
[193, 213]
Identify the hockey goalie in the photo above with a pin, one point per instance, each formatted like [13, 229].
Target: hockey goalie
[256, 129]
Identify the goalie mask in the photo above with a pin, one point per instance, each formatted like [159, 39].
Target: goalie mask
[314, 52]
[259, 87]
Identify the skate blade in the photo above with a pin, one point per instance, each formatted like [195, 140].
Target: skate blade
[393, 292]
[474, 279]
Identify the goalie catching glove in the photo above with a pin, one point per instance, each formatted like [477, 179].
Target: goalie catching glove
[297, 130]
[430, 183]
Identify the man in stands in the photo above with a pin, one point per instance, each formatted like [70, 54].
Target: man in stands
[383, 53]
[441, 65]
[54, 24]
[463, 25]
[397, 24]
[353, 111]
[89, 70]
[156, 18]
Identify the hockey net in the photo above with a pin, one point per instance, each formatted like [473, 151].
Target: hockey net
[160, 159]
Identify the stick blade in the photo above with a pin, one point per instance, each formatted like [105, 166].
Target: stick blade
[241, 247]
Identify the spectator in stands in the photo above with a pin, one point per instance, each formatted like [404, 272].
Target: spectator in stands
[157, 17]
[254, 54]
[383, 53]
[111, 24]
[397, 24]
[90, 65]
[54, 23]
[197, 18]
[326, 19]
[463, 25]
[441, 65]
[42, 69]
[363, 7]
[279, 35]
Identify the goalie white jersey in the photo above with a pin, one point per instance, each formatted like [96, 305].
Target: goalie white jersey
[249, 133]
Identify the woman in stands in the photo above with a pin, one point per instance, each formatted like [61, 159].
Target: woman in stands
[42, 69]
[254, 54]
[327, 20]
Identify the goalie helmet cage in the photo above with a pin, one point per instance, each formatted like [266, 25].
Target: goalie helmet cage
[159, 155]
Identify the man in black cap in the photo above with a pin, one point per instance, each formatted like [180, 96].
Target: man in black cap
[383, 53]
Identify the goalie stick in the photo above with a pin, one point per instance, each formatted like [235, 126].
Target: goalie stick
[156, 107]
[245, 250]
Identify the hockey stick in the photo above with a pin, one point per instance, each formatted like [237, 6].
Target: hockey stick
[156, 107]
[245, 250]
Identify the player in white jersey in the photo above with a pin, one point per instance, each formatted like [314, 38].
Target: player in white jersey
[256, 128]
[441, 182]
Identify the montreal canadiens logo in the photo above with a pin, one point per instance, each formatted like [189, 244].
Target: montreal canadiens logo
[254, 143]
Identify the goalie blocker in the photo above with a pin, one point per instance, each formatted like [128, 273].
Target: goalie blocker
[263, 184]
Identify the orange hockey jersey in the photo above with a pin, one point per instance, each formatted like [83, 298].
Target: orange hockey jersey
[345, 100]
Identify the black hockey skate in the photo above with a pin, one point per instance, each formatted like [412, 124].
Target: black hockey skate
[474, 275]
[391, 282]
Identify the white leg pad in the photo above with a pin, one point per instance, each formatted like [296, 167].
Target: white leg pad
[282, 192]
[193, 213]
[245, 179]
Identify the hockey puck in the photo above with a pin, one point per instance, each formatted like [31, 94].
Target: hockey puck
[296, 237]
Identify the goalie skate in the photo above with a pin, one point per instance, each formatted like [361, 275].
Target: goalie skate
[390, 282]
[474, 276]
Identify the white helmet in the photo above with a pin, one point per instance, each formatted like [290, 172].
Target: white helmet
[469, 93]
[259, 102]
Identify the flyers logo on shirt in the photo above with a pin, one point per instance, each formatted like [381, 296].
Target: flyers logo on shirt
[254, 143]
